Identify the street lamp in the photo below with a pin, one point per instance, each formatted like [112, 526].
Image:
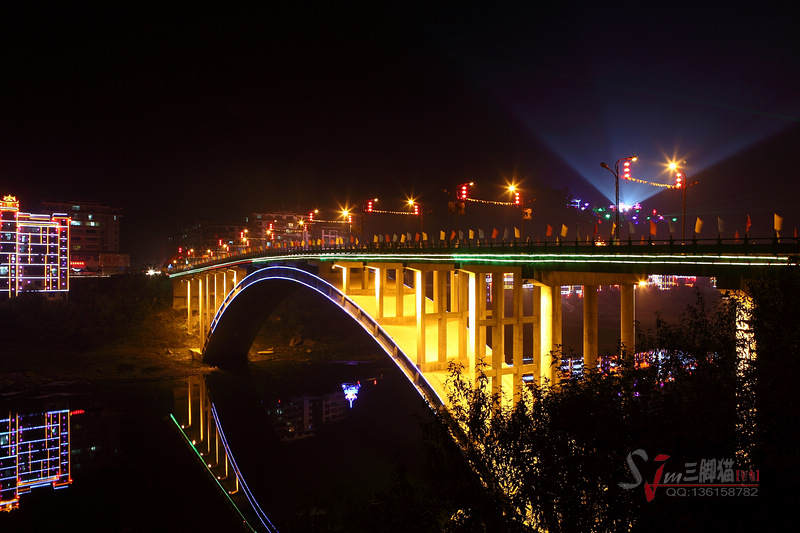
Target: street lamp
[516, 201]
[616, 181]
[682, 183]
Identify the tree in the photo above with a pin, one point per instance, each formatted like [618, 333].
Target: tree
[556, 460]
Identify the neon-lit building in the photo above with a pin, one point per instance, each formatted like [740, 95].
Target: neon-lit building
[34, 452]
[34, 251]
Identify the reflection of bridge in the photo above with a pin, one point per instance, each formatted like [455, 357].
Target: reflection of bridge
[429, 306]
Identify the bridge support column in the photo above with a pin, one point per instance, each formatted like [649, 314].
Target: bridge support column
[188, 305]
[627, 317]
[498, 333]
[590, 331]
[517, 341]
[462, 284]
[419, 299]
[476, 345]
[200, 308]
[550, 332]
[380, 290]
[440, 308]
[399, 291]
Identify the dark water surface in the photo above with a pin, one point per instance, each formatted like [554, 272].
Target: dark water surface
[313, 462]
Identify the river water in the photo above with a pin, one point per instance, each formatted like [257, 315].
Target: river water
[319, 456]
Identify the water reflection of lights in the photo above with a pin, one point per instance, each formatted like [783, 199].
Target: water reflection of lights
[208, 439]
[34, 452]
[351, 391]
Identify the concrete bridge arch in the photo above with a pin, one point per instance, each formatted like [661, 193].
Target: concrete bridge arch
[246, 307]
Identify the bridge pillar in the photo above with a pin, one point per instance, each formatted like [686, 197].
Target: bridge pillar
[476, 345]
[200, 307]
[517, 333]
[399, 291]
[419, 300]
[380, 290]
[550, 329]
[498, 332]
[462, 288]
[188, 305]
[590, 331]
[440, 308]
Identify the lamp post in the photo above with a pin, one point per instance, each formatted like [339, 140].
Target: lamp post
[682, 183]
[416, 210]
[516, 201]
[616, 182]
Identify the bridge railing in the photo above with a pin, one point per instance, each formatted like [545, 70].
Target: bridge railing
[717, 246]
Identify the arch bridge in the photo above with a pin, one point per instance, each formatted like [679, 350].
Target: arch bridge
[429, 306]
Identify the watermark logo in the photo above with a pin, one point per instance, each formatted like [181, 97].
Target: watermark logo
[707, 477]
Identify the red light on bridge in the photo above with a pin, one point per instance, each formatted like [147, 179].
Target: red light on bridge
[517, 199]
[416, 209]
[678, 180]
[369, 206]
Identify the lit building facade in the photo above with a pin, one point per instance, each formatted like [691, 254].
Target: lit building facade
[94, 237]
[210, 238]
[34, 452]
[277, 228]
[34, 251]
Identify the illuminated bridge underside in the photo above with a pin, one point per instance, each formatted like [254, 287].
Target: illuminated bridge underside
[429, 309]
[245, 309]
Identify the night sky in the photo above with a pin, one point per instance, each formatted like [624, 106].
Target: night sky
[182, 113]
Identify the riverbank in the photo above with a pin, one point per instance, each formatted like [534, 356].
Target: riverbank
[153, 344]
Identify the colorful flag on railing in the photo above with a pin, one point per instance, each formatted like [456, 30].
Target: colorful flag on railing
[494, 233]
[698, 225]
[747, 226]
[516, 233]
[505, 234]
[471, 234]
[720, 225]
[480, 234]
[564, 230]
[549, 232]
[778, 222]
[652, 228]
[424, 236]
[453, 235]
[441, 234]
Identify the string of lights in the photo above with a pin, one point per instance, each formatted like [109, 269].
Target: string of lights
[493, 202]
[391, 212]
[665, 185]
